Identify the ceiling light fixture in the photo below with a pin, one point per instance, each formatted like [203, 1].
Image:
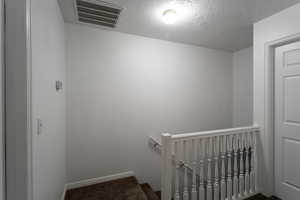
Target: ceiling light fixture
[170, 16]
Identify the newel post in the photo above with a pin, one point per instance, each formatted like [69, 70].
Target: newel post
[166, 168]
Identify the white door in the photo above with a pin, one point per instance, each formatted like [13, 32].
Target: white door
[287, 121]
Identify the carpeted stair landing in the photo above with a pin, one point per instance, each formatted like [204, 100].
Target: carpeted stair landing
[124, 189]
[121, 189]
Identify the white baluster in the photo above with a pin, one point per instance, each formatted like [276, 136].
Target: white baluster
[255, 160]
[185, 187]
[229, 169]
[194, 183]
[209, 170]
[253, 179]
[167, 168]
[235, 168]
[223, 176]
[201, 169]
[177, 172]
[216, 154]
[246, 140]
[241, 173]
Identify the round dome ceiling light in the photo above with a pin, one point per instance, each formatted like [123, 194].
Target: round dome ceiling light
[169, 16]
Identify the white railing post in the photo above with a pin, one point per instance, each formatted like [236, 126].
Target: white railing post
[166, 169]
[209, 189]
[247, 177]
[235, 167]
[216, 157]
[223, 174]
[241, 174]
[201, 169]
[185, 176]
[194, 181]
[252, 173]
[229, 169]
[177, 172]
[255, 160]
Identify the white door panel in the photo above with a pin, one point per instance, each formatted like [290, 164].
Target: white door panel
[287, 121]
[292, 58]
[290, 150]
[291, 94]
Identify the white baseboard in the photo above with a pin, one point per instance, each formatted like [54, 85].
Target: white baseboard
[64, 193]
[102, 179]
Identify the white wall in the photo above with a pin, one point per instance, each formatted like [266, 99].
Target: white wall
[270, 30]
[243, 87]
[48, 65]
[2, 146]
[123, 88]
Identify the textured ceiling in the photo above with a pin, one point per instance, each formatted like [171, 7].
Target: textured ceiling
[218, 24]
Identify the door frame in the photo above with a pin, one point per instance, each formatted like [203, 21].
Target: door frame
[2, 97]
[18, 109]
[268, 128]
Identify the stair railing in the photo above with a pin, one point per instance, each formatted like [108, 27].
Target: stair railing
[222, 165]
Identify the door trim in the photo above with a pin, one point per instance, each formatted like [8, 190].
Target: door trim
[2, 97]
[18, 109]
[268, 128]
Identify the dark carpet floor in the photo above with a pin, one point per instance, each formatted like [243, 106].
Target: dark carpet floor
[151, 195]
[262, 197]
[122, 189]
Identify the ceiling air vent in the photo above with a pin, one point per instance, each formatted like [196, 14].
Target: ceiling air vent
[98, 12]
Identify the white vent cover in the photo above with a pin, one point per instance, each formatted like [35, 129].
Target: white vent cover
[97, 12]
